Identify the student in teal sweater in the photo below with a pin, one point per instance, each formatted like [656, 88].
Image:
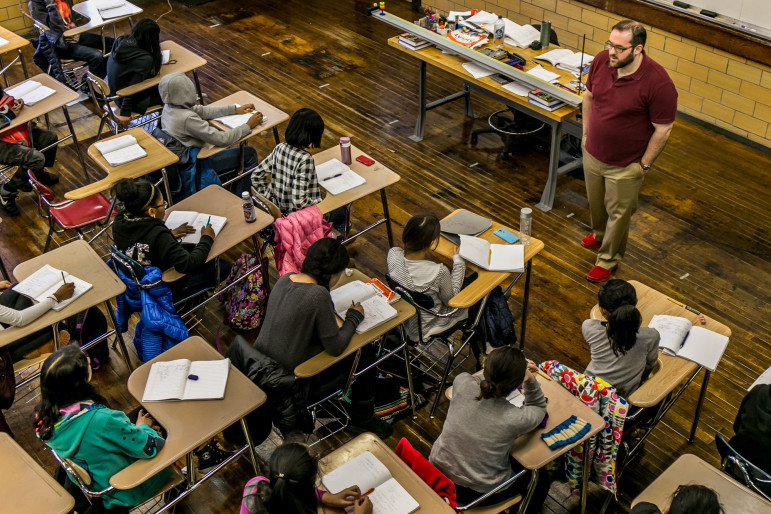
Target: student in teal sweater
[73, 419]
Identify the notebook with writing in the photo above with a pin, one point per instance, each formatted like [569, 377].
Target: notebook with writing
[197, 220]
[44, 283]
[182, 379]
[681, 338]
[375, 304]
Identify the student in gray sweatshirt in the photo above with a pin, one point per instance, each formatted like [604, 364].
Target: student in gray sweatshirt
[474, 447]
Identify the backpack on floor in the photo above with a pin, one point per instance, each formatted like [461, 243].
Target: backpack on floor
[86, 326]
[245, 303]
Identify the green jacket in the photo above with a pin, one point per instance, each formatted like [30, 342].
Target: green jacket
[103, 441]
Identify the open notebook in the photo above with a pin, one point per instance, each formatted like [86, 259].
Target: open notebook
[120, 150]
[490, 256]
[45, 281]
[681, 338]
[173, 380]
[196, 220]
[30, 91]
[236, 120]
[114, 9]
[376, 306]
[336, 177]
[366, 471]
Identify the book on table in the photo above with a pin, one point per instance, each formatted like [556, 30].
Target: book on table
[44, 283]
[376, 305]
[336, 177]
[412, 41]
[367, 472]
[492, 257]
[183, 379]
[565, 59]
[679, 337]
[544, 98]
[31, 92]
[197, 220]
[236, 120]
[550, 108]
[120, 150]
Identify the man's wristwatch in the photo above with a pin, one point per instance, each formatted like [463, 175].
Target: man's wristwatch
[645, 167]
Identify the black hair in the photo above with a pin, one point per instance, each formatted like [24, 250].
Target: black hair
[695, 499]
[293, 472]
[639, 35]
[305, 129]
[325, 258]
[504, 371]
[63, 381]
[137, 195]
[619, 298]
[146, 33]
[420, 232]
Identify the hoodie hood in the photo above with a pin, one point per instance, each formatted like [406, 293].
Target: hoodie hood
[125, 50]
[69, 430]
[177, 90]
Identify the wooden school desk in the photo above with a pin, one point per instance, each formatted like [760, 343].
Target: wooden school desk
[488, 87]
[429, 501]
[530, 450]
[61, 98]
[27, 487]
[158, 158]
[80, 260]
[689, 469]
[89, 9]
[191, 423]
[377, 177]
[15, 42]
[488, 280]
[180, 59]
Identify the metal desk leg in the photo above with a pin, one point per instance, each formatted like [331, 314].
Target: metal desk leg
[166, 186]
[467, 100]
[408, 365]
[198, 86]
[547, 197]
[23, 66]
[530, 491]
[702, 394]
[121, 342]
[250, 444]
[524, 303]
[4, 271]
[420, 124]
[5, 75]
[275, 134]
[585, 478]
[75, 142]
[387, 217]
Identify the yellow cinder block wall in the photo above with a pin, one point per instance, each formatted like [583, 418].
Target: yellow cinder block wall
[11, 18]
[718, 87]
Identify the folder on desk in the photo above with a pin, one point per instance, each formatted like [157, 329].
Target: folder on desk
[463, 222]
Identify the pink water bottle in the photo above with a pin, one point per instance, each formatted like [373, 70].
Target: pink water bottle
[345, 150]
[249, 214]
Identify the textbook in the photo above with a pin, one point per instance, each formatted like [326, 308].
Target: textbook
[549, 108]
[44, 283]
[565, 59]
[120, 150]
[492, 257]
[182, 379]
[376, 305]
[336, 177]
[544, 98]
[367, 472]
[30, 91]
[764, 378]
[681, 338]
[412, 41]
[195, 220]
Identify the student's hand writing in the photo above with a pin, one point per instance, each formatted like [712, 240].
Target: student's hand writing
[363, 506]
[344, 498]
[182, 230]
[144, 419]
[4, 284]
[245, 109]
[64, 292]
[358, 308]
[17, 105]
[207, 230]
[532, 366]
[254, 120]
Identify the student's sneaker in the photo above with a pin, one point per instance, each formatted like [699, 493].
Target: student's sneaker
[211, 455]
[377, 426]
[8, 201]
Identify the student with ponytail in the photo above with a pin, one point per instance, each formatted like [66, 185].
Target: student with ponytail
[474, 447]
[623, 352]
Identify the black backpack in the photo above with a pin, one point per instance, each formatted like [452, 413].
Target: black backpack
[86, 326]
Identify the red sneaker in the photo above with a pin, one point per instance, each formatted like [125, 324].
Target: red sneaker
[590, 242]
[599, 274]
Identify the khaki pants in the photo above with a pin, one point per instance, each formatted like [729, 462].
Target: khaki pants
[612, 192]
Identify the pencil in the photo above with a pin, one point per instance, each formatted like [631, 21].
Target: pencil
[684, 306]
[544, 375]
[371, 490]
[63, 279]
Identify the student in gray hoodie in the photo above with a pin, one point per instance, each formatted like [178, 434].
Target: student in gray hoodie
[187, 122]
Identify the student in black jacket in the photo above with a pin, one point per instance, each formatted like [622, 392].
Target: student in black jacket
[752, 427]
[139, 232]
[135, 57]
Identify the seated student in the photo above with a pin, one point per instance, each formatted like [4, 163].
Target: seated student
[75, 421]
[623, 352]
[134, 58]
[292, 487]
[752, 427]
[15, 150]
[139, 232]
[688, 499]
[86, 46]
[300, 322]
[474, 447]
[187, 122]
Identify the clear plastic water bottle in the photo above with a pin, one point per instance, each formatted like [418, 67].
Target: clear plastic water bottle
[499, 30]
[525, 225]
[249, 214]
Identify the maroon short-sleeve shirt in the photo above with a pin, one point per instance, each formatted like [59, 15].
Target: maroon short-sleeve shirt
[623, 110]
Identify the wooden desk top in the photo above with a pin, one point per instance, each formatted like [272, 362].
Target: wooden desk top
[487, 280]
[185, 61]
[452, 64]
[80, 260]
[273, 115]
[324, 360]
[158, 156]
[15, 41]
[377, 176]
[220, 202]
[689, 469]
[192, 422]
[26, 486]
[95, 20]
[63, 96]
[674, 370]
[429, 501]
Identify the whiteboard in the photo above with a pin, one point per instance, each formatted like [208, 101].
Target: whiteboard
[753, 12]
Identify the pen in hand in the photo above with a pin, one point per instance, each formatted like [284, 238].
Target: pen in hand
[208, 222]
[64, 280]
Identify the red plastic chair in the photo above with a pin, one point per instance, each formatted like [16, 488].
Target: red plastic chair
[74, 215]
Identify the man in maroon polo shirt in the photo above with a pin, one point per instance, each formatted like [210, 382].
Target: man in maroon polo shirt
[629, 107]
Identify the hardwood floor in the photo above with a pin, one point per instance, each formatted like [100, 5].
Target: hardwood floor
[701, 233]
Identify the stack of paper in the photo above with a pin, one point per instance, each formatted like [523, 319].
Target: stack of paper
[477, 70]
[541, 73]
[336, 177]
[520, 35]
[31, 92]
[120, 150]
